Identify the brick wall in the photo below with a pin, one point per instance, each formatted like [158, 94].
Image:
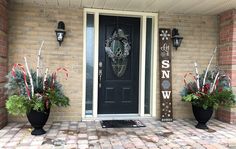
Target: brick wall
[28, 26]
[3, 60]
[200, 38]
[227, 57]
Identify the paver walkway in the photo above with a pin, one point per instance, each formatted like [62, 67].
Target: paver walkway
[180, 134]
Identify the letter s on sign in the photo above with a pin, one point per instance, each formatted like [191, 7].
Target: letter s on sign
[165, 64]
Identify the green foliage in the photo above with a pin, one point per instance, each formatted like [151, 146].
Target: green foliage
[18, 102]
[225, 98]
[190, 98]
[17, 105]
[37, 104]
[58, 99]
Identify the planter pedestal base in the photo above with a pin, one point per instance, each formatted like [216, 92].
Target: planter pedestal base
[38, 120]
[38, 131]
[201, 126]
[202, 116]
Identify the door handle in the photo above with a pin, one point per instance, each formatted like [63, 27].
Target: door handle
[100, 74]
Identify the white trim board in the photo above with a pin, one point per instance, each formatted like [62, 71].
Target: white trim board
[84, 65]
[117, 117]
[142, 59]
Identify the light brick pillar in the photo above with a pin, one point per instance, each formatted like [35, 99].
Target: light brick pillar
[3, 60]
[227, 58]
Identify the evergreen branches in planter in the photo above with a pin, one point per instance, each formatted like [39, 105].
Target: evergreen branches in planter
[215, 92]
[207, 91]
[19, 104]
[31, 91]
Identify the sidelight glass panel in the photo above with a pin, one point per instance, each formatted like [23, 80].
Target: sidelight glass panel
[89, 64]
[149, 41]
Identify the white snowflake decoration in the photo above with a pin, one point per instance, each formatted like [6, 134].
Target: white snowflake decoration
[165, 35]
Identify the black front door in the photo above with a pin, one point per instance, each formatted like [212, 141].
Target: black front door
[119, 40]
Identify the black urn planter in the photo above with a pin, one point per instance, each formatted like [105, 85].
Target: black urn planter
[38, 120]
[202, 116]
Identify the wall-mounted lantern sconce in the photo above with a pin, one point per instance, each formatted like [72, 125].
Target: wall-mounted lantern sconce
[176, 38]
[60, 32]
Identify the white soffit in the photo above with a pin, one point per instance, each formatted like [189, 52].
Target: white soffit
[202, 7]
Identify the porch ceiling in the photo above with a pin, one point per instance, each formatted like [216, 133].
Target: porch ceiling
[202, 7]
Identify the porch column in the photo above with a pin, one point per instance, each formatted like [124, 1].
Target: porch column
[227, 57]
[3, 60]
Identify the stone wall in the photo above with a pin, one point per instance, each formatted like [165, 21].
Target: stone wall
[3, 59]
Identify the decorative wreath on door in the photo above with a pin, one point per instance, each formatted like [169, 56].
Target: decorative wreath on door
[117, 49]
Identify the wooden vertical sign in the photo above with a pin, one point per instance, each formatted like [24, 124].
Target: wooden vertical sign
[165, 75]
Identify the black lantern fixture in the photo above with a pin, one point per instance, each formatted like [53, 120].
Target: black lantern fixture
[176, 38]
[60, 32]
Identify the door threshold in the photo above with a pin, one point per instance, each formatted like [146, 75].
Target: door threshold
[117, 117]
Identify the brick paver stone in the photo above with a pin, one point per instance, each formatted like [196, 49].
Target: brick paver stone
[89, 135]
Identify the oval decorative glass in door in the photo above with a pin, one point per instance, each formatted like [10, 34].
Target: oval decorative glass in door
[117, 49]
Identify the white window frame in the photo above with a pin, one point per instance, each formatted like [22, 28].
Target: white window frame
[142, 59]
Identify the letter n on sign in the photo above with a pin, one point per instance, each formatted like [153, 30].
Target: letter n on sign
[165, 74]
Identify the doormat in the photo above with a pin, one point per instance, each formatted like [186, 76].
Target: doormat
[122, 124]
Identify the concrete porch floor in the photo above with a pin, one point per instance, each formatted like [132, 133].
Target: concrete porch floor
[71, 135]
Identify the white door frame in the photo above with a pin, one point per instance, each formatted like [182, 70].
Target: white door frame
[142, 58]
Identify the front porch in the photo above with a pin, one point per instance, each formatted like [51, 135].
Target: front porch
[25, 23]
[177, 134]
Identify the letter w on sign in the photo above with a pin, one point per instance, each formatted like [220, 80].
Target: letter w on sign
[165, 74]
[166, 94]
